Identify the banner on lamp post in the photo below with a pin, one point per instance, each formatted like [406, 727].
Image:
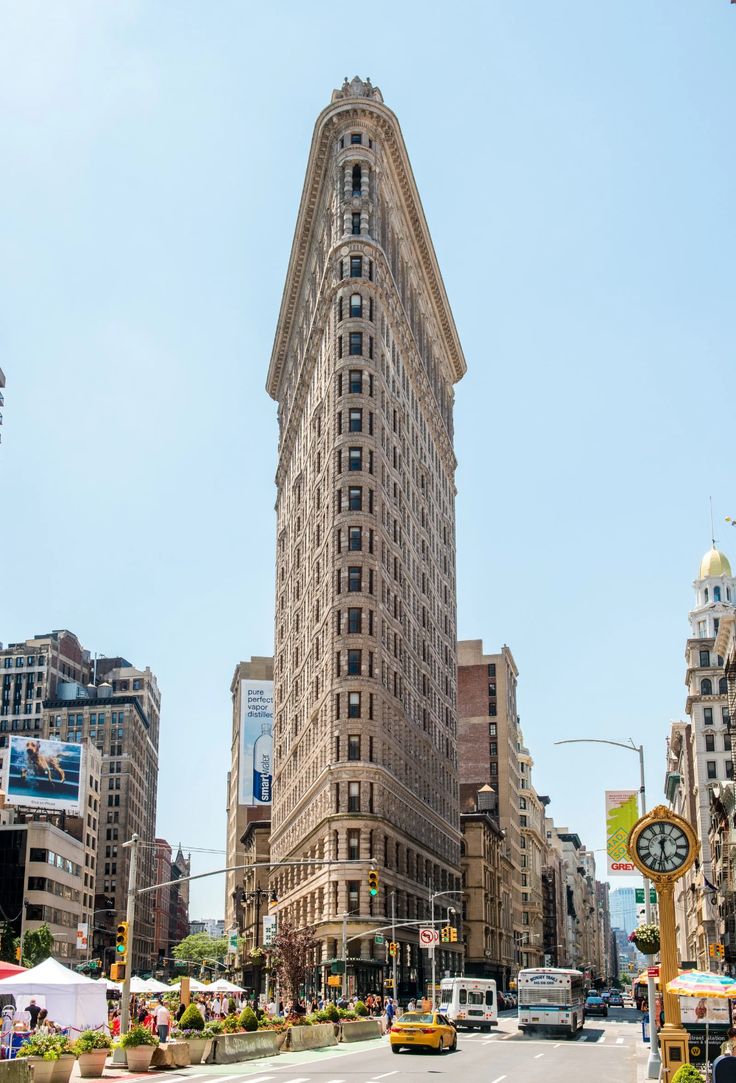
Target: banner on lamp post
[621, 814]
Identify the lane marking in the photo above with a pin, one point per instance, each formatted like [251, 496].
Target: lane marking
[619, 1041]
[601, 1039]
[258, 1078]
[386, 1074]
[498, 1079]
[557, 1046]
[538, 1055]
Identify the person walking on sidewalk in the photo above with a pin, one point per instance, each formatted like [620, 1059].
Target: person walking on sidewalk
[163, 1022]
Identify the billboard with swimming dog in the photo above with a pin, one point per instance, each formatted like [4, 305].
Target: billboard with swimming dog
[43, 774]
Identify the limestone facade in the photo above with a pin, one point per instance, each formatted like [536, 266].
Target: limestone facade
[363, 366]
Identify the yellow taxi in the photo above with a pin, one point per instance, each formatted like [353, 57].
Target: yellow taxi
[423, 1030]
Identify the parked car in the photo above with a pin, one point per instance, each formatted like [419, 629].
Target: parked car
[615, 1000]
[595, 1006]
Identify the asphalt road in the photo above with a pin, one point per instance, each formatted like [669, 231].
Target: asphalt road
[607, 1050]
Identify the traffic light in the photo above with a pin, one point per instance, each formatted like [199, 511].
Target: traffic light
[719, 951]
[17, 953]
[712, 951]
[393, 948]
[121, 942]
[273, 898]
[445, 934]
[373, 882]
[453, 934]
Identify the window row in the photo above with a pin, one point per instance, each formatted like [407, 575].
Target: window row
[355, 580]
[356, 267]
[353, 747]
[717, 594]
[354, 500]
[706, 686]
[352, 702]
[356, 139]
[356, 382]
[712, 769]
[351, 661]
[355, 307]
[351, 621]
[355, 420]
[354, 459]
[354, 536]
[710, 742]
[708, 716]
[355, 345]
[20, 661]
[348, 797]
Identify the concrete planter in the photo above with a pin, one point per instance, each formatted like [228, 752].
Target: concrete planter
[315, 1037]
[199, 1049]
[15, 1071]
[230, 1048]
[63, 1068]
[139, 1057]
[360, 1030]
[92, 1064]
[173, 1054]
[43, 1070]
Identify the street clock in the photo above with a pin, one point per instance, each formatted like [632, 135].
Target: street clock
[662, 845]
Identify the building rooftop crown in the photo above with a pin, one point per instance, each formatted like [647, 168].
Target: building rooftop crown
[713, 564]
[357, 88]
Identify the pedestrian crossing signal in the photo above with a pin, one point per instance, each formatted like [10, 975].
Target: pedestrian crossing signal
[117, 972]
[373, 882]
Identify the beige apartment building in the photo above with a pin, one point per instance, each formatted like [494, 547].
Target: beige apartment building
[239, 813]
[364, 361]
[487, 929]
[52, 687]
[489, 741]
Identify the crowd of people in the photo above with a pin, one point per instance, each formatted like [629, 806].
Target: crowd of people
[33, 1018]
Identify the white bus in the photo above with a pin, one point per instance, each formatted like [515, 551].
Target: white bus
[469, 1002]
[551, 999]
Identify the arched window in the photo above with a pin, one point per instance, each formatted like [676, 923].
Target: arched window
[716, 594]
[357, 177]
[706, 687]
[722, 686]
[706, 594]
[356, 304]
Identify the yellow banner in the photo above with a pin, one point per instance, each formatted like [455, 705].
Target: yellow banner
[622, 812]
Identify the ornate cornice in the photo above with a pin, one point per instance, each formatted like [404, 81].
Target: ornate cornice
[397, 159]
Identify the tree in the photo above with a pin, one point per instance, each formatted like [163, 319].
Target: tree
[201, 947]
[293, 949]
[8, 943]
[37, 945]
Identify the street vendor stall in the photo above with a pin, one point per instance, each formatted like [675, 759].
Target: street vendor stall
[71, 999]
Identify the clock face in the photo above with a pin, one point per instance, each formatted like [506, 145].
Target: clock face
[663, 847]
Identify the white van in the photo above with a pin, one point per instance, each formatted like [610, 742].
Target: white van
[469, 1002]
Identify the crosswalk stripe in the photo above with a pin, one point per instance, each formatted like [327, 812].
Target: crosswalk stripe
[257, 1079]
[601, 1039]
[619, 1041]
[498, 1079]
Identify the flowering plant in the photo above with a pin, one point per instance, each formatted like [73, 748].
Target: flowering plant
[646, 938]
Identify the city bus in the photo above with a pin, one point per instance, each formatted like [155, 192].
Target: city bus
[470, 1003]
[551, 999]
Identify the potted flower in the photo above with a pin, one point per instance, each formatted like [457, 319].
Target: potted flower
[91, 1048]
[646, 939]
[139, 1045]
[191, 1029]
[45, 1053]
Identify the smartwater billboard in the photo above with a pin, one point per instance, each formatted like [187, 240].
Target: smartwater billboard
[621, 815]
[43, 774]
[256, 742]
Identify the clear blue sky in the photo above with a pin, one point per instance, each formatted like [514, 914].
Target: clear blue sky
[576, 163]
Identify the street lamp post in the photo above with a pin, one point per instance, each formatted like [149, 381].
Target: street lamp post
[654, 1062]
[432, 897]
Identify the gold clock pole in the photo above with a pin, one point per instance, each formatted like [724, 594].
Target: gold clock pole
[665, 862]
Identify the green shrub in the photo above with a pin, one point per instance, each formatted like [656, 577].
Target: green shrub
[230, 1024]
[360, 1008]
[191, 1019]
[332, 1012]
[89, 1040]
[48, 1046]
[247, 1018]
[232, 1007]
[137, 1036]
[687, 1074]
[212, 1029]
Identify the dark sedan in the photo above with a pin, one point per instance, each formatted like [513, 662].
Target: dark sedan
[595, 1006]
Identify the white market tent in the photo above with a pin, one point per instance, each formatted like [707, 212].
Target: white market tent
[70, 999]
[224, 986]
[194, 986]
[154, 986]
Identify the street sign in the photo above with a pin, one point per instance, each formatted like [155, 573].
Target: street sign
[269, 930]
[337, 967]
[653, 971]
[335, 980]
[428, 936]
[378, 939]
[639, 895]
[232, 941]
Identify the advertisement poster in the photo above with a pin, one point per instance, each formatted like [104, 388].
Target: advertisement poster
[256, 742]
[43, 774]
[701, 1010]
[82, 933]
[621, 814]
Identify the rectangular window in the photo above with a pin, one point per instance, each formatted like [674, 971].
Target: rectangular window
[355, 663]
[356, 266]
[708, 716]
[491, 669]
[356, 343]
[491, 729]
[491, 688]
[355, 382]
[355, 621]
[355, 539]
[355, 458]
[356, 305]
[355, 579]
[356, 224]
[493, 748]
[712, 769]
[726, 716]
[356, 138]
[353, 895]
[710, 742]
[353, 797]
[353, 704]
[355, 421]
[705, 658]
[726, 742]
[353, 845]
[355, 499]
[492, 707]
[729, 769]
[353, 747]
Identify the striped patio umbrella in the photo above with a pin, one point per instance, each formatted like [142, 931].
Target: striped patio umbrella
[701, 983]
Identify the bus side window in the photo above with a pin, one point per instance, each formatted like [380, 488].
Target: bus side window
[489, 997]
[463, 996]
